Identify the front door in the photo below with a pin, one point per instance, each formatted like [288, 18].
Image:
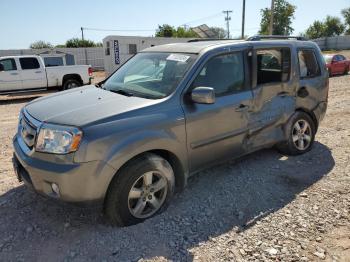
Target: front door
[33, 73]
[9, 77]
[217, 131]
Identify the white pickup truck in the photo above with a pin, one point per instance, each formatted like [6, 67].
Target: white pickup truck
[28, 73]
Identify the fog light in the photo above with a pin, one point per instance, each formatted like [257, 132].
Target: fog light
[55, 189]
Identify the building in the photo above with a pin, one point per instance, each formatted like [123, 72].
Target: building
[118, 49]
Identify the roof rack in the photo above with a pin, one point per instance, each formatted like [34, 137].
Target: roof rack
[210, 39]
[276, 37]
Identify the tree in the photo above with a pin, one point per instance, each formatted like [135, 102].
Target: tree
[170, 31]
[316, 30]
[219, 32]
[282, 18]
[346, 14]
[333, 26]
[165, 31]
[76, 42]
[40, 44]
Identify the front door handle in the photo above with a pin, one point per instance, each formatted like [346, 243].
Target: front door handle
[37, 72]
[14, 74]
[241, 108]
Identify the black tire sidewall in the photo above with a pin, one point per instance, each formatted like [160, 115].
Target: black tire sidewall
[293, 150]
[66, 83]
[116, 203]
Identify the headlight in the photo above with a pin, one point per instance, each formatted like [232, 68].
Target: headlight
[58, 139]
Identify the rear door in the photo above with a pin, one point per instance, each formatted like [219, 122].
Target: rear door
[33, 73]
[9, 78]
[217, 131]
[274, 94]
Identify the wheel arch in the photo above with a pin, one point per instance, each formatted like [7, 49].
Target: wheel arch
[72, 76]
[310, 114]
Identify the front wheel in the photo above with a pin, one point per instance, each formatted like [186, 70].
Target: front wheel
[140, 190]
[300, 131]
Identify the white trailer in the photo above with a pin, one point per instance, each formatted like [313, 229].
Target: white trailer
[119, 49]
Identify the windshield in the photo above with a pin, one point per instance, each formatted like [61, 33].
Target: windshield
[328, 58]
[150, 75]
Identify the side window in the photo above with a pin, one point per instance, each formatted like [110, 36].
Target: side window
[53, 61]
[273, 65]
[341, 58]
[29, 63]
[8, 64]
[308, 65]
[224, 73]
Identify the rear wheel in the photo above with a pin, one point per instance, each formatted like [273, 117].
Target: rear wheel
[71, 83]
[140, 190]
[346, 71]
[301, 134]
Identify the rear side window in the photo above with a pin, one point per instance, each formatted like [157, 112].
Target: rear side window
[29, 63]
[308, 65]
[224, 73]
[8, 64]
[273, 65]
[53, 61]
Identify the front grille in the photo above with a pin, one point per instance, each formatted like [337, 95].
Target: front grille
[28, 129]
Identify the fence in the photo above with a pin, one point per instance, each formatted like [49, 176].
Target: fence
[83, 56]
[336, 43]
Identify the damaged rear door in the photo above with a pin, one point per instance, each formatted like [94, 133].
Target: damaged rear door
[274, 94]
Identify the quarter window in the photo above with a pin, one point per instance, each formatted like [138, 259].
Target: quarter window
[132, 49]
[273, 65]
[8, 64]
[308, 66]
[29, 63]
[224, 73]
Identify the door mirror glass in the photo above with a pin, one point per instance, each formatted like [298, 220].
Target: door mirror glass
[203, 95]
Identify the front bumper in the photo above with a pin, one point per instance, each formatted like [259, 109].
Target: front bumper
[77, 182]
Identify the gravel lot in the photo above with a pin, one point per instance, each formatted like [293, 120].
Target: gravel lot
[263, 207]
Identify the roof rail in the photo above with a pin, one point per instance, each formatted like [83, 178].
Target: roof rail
[276, 37]
[209, 39]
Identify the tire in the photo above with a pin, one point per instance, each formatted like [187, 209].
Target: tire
[299, 141]
[139, 190]
[70, 83]
[346, 71]
[330, 74]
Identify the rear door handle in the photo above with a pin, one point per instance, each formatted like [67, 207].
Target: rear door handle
[241, 108]
[38, 72]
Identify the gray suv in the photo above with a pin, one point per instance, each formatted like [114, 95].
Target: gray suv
[168, 112]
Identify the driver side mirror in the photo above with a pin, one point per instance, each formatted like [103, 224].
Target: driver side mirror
[2, 68]
[203, 95]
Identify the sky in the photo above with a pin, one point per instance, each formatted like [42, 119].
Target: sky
[25, 21]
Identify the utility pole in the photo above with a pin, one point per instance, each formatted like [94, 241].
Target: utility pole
[82, 33]
[271, 17]
[227, 19]
[243, 19]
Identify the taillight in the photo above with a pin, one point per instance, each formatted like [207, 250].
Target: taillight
[90, 71]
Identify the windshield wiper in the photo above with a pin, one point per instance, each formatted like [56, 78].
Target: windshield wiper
[120, 92]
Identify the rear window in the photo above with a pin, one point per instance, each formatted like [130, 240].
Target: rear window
[53, 61]
[308, 65]
[29, 63]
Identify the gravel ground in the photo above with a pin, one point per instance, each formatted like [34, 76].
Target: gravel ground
[263, 207]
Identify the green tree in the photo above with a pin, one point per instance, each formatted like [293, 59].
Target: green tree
[76, 42]
[282, 18]
[165, 31]
[316, 30]
[346, 14]
[219, 32]
[333, 26]
[170, 31]
[40, 44]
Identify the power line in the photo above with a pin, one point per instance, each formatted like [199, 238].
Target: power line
[117, 30]
[227, 19]
[201, 19]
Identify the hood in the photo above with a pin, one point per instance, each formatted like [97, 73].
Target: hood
[81, 106]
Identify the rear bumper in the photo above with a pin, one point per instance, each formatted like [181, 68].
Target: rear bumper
[77, 182]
